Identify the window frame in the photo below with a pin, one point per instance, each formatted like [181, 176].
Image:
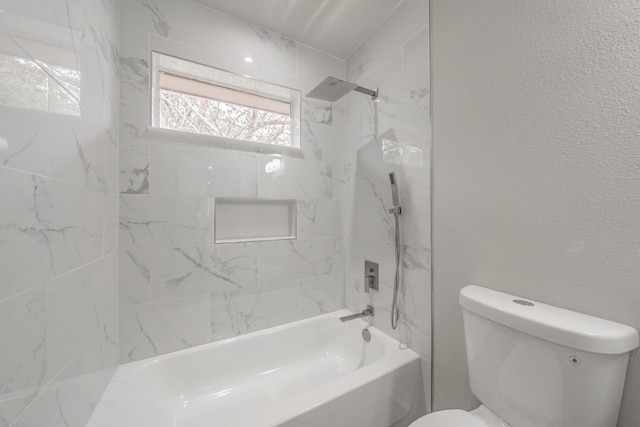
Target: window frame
[162, 62]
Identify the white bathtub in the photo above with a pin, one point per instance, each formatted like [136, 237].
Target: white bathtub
[314, 372]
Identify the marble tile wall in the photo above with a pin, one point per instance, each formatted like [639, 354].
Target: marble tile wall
[178, 289]
[58, 208]
[392, 134]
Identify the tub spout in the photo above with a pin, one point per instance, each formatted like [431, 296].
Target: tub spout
[364, 313]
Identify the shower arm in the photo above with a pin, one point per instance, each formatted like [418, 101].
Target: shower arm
[372, 93]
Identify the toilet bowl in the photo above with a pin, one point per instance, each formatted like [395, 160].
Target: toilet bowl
[529, 363]
[480, 417]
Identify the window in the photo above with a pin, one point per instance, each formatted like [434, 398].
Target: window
[198, 99]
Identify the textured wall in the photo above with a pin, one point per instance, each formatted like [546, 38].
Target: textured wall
[58, 209]
[392, 134]
[537, 165]
[178, 289]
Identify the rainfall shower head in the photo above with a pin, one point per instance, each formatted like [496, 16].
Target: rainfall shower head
[332, 89]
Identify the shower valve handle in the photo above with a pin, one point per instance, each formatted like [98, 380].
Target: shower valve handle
[370, 276]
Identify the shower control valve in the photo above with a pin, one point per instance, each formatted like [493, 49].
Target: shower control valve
[370, 276]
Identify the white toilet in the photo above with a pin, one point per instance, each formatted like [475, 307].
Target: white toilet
[535, 365]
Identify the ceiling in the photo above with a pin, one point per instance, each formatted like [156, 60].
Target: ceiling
[337, 27]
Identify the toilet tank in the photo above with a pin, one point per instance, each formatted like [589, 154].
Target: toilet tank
[535, 365]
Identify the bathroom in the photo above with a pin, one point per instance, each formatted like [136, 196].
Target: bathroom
[510, 128]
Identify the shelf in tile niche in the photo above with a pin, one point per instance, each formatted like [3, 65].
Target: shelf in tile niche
[251, 220]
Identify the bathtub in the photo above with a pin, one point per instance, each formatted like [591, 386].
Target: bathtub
[314, 372]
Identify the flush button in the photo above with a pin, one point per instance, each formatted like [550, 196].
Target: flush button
[523, 302]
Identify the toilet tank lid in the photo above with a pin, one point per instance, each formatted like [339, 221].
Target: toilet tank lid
[558, 325]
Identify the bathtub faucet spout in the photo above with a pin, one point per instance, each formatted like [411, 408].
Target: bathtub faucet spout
[364, 313]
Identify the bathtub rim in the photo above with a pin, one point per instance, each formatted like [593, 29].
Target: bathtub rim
[395, 356]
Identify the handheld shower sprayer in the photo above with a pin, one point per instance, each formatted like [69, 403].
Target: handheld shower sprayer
[396, 210]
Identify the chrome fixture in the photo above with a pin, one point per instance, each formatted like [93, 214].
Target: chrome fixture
[364, 313]
[332, 89]
[370, 276]
[396, 211]
[366, 335]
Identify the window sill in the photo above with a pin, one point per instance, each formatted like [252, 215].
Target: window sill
[168, 135]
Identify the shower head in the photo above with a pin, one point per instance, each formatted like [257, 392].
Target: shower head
[332, 89]
[394, 189]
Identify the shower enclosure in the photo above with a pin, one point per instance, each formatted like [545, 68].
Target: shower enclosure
[108, 252]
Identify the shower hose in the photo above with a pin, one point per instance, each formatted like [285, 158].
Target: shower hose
[395, 309]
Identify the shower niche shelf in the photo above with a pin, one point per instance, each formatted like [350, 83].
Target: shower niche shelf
[239, 220]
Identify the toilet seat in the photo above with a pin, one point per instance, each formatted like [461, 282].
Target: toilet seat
[450, 418]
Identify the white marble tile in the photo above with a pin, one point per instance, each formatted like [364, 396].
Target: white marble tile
[57, 230]
[134, 166]
[37, 11]
[165, 221]
[355, 297]
[23, 367]
[322, 142]
[12, 405]
[406, 21]
[26, 135]
[269, 51]
[134, 66]
[199, 171]
[102, 19]
[161, 327]
[407, 123]
[415, 55]
[339, 255]
[295, 259]
[374, 222]
[110, 342]
[416, 173]
[416, 272]
[78, 304]
[94, 53]
[244, 311]
[315, 66]
[320, 295]
[382, 253]
[421, 96]
[49, 228]
[317, 218]
[110, 223]
[54, 42]
[190, 22]
[70, 399]
[360, 123]
[72, 50]
[205, 57]
[135, 276]
[83, 152]
[415, 221]
[283, 177]
[414, 322]
[339, 182]
[372, 178]
[182, 272]
[326, 113]
[391, 135]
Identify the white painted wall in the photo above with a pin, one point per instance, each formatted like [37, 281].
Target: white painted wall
[536, 136]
